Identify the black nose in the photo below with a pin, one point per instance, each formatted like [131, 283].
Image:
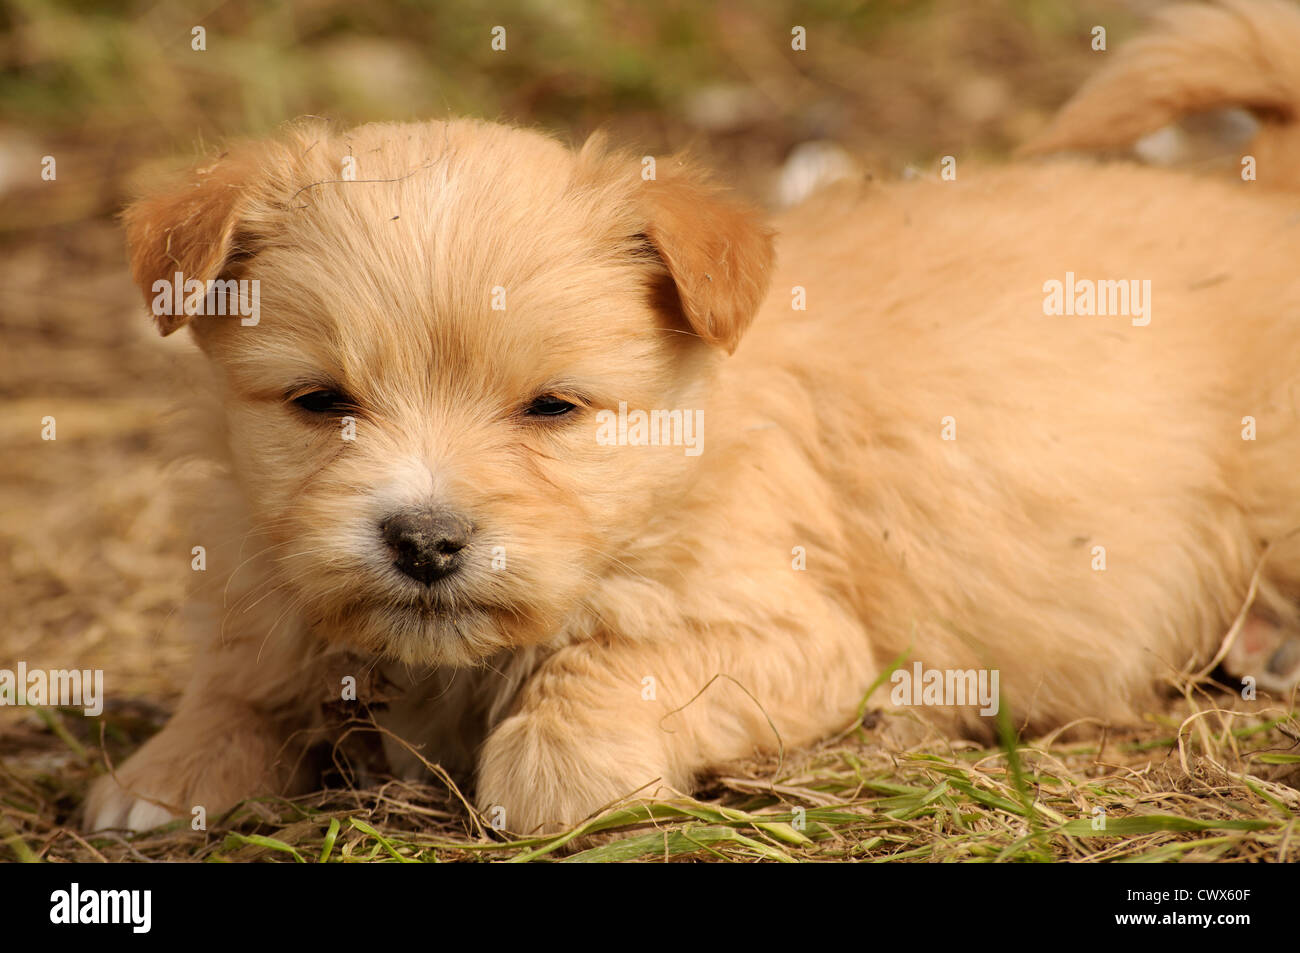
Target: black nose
[426, 544]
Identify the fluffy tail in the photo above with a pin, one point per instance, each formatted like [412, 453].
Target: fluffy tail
[1237, 53]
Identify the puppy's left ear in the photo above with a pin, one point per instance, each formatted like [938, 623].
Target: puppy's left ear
[717, 250]
[188, 226]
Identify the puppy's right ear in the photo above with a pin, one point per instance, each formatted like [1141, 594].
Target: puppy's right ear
[188, 227]
[715, 248]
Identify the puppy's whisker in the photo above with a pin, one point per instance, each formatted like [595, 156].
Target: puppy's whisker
[234, 572]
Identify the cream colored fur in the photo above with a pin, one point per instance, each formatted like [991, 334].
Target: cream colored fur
[822, 431]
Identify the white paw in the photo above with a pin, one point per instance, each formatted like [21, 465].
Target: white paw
[109, 807]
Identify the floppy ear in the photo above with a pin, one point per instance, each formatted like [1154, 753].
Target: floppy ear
[717, 251]
[187, 227]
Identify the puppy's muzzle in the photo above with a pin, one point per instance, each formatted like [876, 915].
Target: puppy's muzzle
[427, 544]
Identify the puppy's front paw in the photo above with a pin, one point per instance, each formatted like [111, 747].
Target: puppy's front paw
[212, 762]
[547, 775]
[110, 807]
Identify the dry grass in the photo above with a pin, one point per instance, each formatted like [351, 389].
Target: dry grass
[96, 561]
[1200, 783]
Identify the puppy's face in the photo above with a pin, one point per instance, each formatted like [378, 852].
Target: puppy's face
[413, 417]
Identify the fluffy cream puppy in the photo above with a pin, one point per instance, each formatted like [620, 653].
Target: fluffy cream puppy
[886, 441]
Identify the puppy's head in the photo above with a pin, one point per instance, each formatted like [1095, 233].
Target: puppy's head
[442, 312]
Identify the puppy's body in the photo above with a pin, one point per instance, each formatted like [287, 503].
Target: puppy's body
[1072, 432]
[627, 617]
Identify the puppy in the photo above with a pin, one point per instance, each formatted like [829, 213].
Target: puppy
[609, 489]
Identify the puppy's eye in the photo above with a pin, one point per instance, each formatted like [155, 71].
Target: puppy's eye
[549, 406]
[324, 402]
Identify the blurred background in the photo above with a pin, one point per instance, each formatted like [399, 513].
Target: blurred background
[93, 561]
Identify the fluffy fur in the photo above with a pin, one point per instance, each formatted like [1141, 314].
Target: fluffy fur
[823, 430]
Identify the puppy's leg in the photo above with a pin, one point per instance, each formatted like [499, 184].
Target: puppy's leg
[213, 753]
[236, 734]
[598, 723]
